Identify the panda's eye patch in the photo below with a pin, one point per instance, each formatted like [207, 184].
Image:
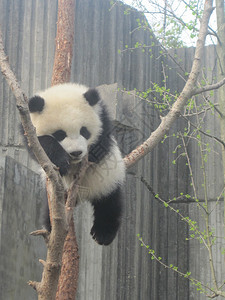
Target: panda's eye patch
[59, 135]
[85, 133]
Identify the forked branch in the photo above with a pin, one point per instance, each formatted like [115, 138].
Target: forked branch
[188, 91]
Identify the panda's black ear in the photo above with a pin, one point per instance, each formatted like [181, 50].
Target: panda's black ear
[36, 104]
[92, 96]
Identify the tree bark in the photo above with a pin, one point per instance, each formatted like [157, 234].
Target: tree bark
[70, 267]
[64, 42]
[68, 279]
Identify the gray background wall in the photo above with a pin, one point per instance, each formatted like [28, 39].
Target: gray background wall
[123, 270]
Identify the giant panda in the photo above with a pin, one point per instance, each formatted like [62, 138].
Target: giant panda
[71, 121]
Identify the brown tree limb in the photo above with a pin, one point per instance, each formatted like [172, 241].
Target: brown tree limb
[21, 103]
[46, 289]
[64, 42]
[67, 284]
[187, 93]
[68, 280]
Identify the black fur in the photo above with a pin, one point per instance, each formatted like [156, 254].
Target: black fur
[85, 132]
[56, 153]
[46, 217]
[36, 104]
[59, 135]
[104, 143]
[92, 96]
[107, 217]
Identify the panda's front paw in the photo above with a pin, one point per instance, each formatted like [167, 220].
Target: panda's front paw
[103, 235]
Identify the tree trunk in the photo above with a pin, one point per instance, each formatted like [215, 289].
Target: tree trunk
[61, 73]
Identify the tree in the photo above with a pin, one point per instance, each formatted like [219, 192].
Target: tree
[194, 129]
[47, 290]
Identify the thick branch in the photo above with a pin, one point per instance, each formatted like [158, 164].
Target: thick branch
[68, 282]
[64, 42]
[55, 244]
[186, 94]
[21, 103]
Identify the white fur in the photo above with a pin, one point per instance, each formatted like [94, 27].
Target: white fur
[60, 113]
[71, 144]
[101, 179]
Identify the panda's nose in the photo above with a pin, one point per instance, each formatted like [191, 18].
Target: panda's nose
[76, 154]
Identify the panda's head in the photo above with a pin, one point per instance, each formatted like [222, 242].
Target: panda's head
[71, 114]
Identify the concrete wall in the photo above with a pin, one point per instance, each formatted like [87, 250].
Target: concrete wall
[21, 201]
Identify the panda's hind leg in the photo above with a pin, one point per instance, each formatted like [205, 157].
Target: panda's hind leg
[107, 217]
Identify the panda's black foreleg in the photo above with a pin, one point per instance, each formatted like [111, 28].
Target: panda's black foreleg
[56, 153]
[61, 159]
[107, 217]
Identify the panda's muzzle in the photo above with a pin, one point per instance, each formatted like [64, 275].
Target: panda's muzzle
[76, 154]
